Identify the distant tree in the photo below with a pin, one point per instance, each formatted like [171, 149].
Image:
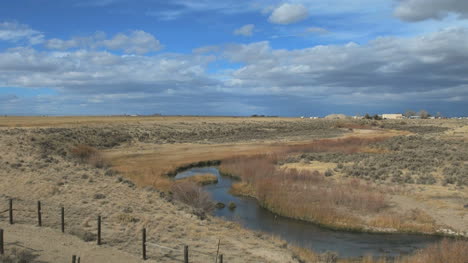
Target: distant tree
[409, 113]
[423, 114]
[367, 116]
[376, 117]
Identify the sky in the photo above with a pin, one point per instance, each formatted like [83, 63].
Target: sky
[233, 57]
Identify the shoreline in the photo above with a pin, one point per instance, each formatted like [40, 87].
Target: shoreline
[336, 227]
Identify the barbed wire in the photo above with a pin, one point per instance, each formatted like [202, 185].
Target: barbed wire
[156, 245]
[178, 250]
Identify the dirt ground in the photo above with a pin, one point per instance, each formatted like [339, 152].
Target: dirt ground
[37, 241]
[32, 171]
[36, 165]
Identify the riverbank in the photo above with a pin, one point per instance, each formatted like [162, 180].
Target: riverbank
[336, 202]
[307, 236]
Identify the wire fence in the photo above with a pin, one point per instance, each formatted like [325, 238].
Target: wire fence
[25, 214]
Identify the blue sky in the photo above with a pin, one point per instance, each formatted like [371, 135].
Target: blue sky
[206, 57]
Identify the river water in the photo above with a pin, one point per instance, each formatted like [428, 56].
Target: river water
[347, 244]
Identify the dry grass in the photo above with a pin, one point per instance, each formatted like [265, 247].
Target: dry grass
[305, 195]
[191, 194]
[414, 220]
[308, 195]
[202, 179]
[445, 251]
[87, 154]
[352, 144]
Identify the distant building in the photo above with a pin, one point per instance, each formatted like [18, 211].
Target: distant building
[392, 116]
[415, 117]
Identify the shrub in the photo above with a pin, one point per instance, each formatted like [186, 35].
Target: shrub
[191, 194]
[83, 234]
[88, 154]
[19, 256]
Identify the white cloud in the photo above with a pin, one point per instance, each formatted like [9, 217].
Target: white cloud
[136, 42]
[394, 66]
[85, 71]
[418, 10]
[14, 32]
[288, 14]
[246, 30]
[316, 30]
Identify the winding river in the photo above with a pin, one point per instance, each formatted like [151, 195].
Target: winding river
[347, 244]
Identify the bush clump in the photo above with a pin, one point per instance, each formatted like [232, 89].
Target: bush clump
[87, 154]
[191, 194]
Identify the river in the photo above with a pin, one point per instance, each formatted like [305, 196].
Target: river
[347, 244]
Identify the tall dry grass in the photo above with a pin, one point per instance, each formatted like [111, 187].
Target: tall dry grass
[305, 195]
[445, 251]
[87, 154]
[351, 144]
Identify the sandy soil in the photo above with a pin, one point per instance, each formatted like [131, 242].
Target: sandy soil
[29, 174]
[38, 241]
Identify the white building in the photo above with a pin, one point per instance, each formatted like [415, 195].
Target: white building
[392, 116]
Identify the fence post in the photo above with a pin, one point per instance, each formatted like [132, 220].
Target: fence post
[221, 258]
[99, 230]
[186, 254]
[63, 219]
[217, 251]
[39, 213]
[2, 249]
[79, 259]
[11, 211]
[73, 259]
[143, 232]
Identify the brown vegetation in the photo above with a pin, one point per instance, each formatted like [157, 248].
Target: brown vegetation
[202, 179]
[445, 251]
[192, 194]
[88, 154]
[304, 194]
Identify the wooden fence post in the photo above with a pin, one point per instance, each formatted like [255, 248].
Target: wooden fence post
[217, 251]
[221, 258]
[99, 230]
[186, 254]
[39, 213]
[2, 248]
[11, 211]
[73, 259]
[144, 243]
[63, 219]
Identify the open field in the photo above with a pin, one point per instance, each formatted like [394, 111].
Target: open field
[123, 175]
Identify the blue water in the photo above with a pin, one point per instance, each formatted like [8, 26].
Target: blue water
[347, 244]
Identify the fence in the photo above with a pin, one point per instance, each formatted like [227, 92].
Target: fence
[216, 257]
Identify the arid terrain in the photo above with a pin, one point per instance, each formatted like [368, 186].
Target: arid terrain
[415, 172]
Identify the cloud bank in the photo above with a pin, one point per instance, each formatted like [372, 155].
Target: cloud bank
[418, 10]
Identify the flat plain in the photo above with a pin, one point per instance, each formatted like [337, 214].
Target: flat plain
[419, 167]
